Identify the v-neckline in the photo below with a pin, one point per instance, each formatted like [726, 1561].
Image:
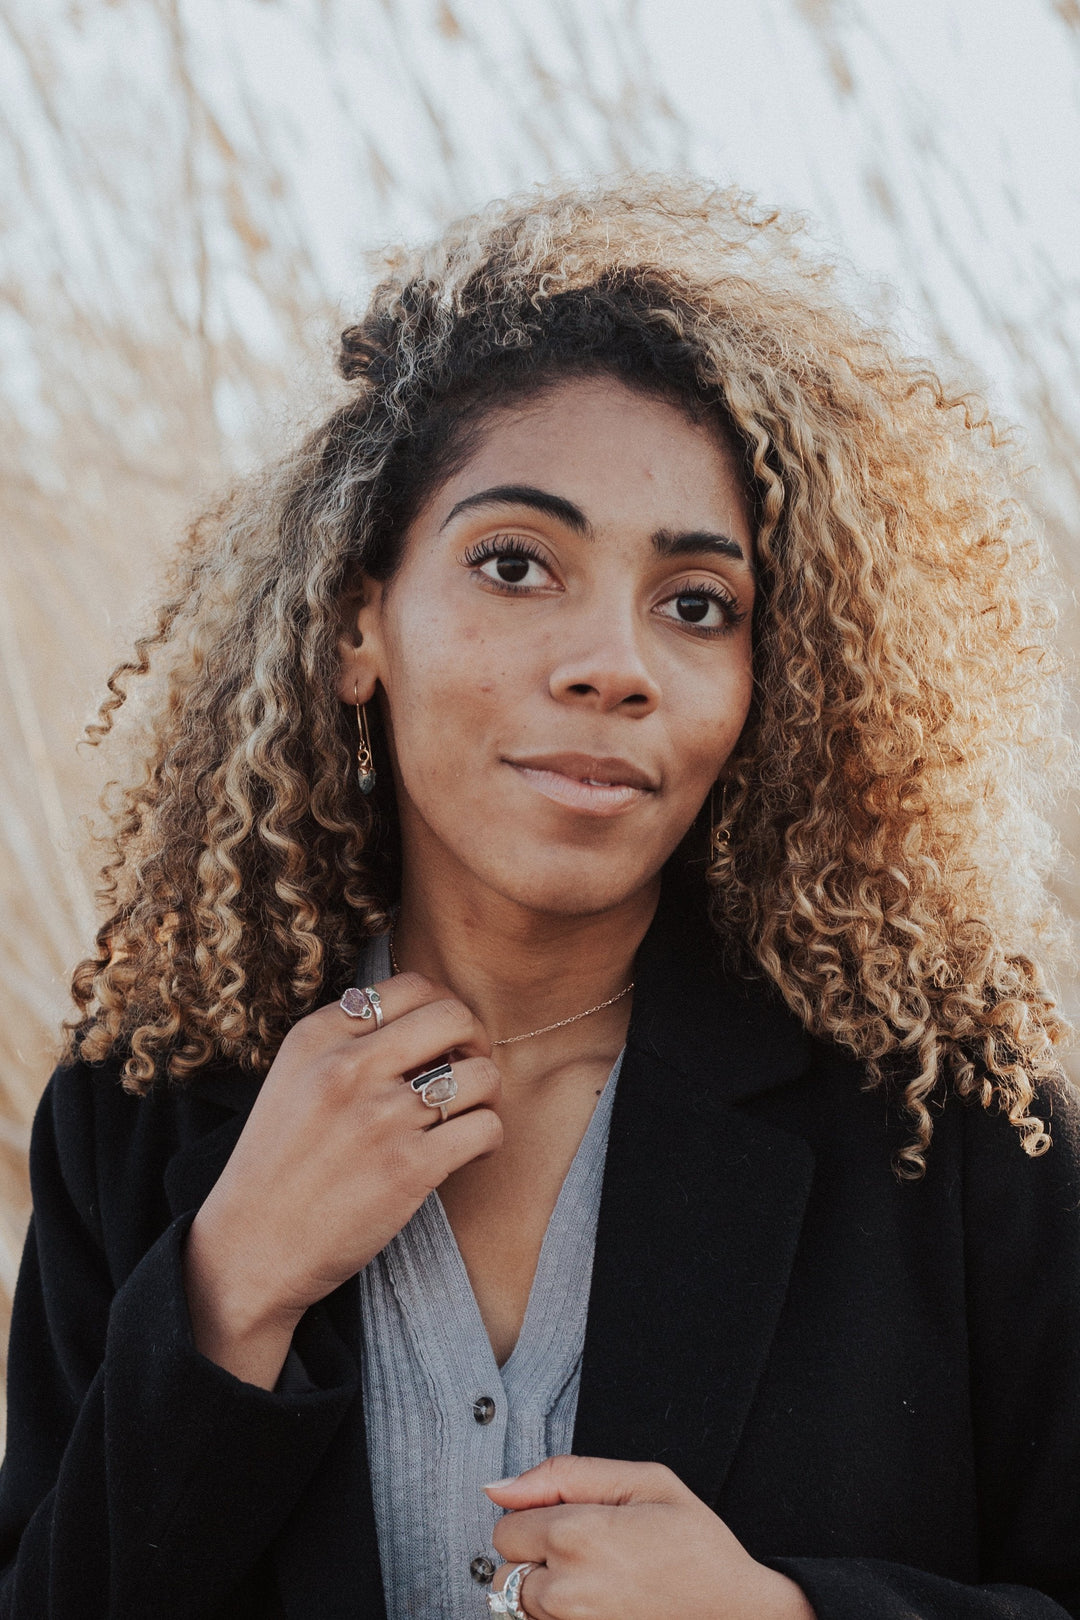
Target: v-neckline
[534, 1357]
[533, 1344]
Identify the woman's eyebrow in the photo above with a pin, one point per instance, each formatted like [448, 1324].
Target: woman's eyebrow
[541, 500]
[670, 544]
[666, 542]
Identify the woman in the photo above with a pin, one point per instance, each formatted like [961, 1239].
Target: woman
[677, 922]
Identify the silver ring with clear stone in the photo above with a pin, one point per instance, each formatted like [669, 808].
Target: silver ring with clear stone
[436, 1087]
[363, 1004]
[508, 1601]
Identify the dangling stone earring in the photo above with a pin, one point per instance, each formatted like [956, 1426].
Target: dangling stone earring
[365, 764]
[719, 839]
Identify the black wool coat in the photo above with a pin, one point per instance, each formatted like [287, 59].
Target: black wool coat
[875, 1384]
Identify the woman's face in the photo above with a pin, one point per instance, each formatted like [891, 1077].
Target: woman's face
[565, 650]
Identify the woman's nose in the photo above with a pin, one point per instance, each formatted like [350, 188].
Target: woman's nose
[607, 672]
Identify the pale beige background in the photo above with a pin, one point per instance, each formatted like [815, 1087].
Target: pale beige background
[186, 194]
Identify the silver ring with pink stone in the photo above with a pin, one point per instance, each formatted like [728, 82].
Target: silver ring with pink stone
[363, 1004]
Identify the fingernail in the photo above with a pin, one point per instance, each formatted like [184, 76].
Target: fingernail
[497, 1484]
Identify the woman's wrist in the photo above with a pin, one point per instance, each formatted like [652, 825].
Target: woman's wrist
[248, 1337]
[777, 1597]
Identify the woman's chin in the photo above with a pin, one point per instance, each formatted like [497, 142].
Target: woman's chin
[574, 887]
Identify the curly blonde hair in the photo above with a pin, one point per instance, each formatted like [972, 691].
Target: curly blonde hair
[886, 843]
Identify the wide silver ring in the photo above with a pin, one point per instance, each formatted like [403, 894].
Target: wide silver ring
[365, 1003]
[436, 1087]
[508, 1601]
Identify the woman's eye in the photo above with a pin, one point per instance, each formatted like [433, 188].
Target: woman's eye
[704, 610]
[511, 565]
[510, 568]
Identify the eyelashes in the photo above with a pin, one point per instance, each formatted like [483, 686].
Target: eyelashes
[502, 548]
[710, 593]
[513, 557]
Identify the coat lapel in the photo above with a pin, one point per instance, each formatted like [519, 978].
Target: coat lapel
[699, 1219]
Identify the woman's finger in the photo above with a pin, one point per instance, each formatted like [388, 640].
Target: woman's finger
[588, 1479]
[415, 1033]
[478, 1085]
[550, 1534]
[418, 1038]
[397, 996]
[472, 1135]
[531, 1590]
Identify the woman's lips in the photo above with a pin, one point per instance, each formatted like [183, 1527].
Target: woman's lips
[595, 798]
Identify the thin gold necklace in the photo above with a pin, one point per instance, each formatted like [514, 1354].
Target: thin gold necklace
[560, 1023]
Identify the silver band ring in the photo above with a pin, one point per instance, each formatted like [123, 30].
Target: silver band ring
[363, 1004]
[508, 1601]
[436, 1087]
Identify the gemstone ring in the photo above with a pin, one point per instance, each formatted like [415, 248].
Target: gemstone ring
[436, 1087]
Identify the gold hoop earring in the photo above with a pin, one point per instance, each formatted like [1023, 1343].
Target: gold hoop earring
[365, 764]
[719, 837]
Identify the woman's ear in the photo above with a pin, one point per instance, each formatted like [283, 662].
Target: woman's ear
[359, 643]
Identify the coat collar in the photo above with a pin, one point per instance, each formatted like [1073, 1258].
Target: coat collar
[700, 1214]
[696, 1013]
[699, 1222]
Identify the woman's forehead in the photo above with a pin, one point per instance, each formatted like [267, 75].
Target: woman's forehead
[601, 452]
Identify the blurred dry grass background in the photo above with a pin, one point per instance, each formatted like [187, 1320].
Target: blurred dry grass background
[186, 194]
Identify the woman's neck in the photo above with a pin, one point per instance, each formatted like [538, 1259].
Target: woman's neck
[519, 969]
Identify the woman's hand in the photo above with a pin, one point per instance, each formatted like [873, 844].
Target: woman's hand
[336, 1155]
[629, 1541]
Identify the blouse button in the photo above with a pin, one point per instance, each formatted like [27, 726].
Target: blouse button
[481, 1570]
[483, 1409]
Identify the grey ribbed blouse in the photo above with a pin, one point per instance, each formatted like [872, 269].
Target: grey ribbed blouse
[442, 1418]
